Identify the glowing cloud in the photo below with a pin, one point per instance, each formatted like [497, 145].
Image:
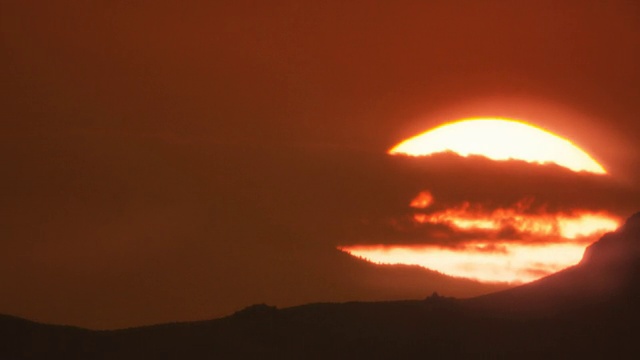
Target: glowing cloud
[500, 139]
[580, 223]
[539, 242]
[422, 201]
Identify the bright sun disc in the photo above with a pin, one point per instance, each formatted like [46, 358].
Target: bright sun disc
[500, 139]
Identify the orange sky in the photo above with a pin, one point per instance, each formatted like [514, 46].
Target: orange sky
[171, 161]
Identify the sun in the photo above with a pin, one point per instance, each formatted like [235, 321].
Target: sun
[513, 243]
[500, 139]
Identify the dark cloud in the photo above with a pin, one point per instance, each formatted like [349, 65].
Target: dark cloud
[487, 186]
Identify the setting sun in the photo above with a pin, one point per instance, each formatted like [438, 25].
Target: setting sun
[500, 139]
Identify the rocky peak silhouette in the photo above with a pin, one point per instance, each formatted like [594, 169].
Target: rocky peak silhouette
[616, 250]
[632, 225]
[608, 274]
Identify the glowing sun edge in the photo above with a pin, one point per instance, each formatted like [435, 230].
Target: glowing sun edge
[500, 139]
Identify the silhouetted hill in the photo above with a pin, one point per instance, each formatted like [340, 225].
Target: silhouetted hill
[609, 271]
[587, 311]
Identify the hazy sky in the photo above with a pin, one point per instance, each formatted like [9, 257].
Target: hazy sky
[168, 161]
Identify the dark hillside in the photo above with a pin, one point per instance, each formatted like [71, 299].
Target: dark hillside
[589, 310]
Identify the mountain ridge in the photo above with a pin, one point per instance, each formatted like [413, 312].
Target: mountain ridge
[589, 310]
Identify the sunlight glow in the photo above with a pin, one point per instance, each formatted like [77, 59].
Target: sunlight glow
[586, 225]
[500, 139]
[483, 261]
